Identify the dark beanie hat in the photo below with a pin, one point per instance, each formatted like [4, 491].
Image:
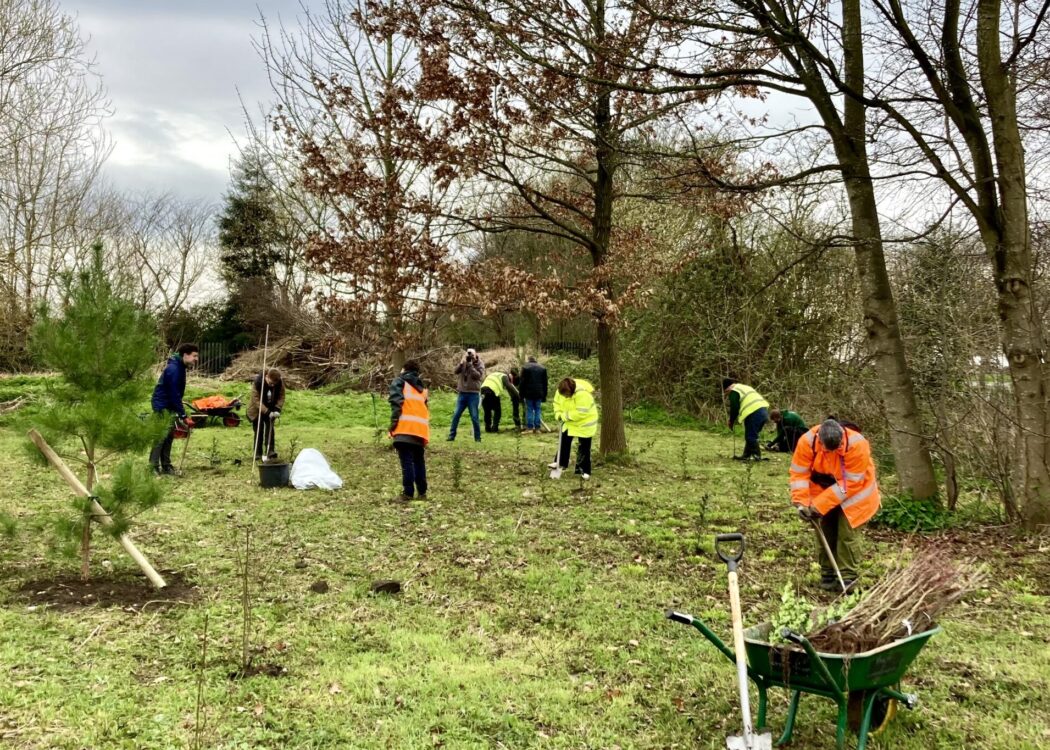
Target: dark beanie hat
[726, 382]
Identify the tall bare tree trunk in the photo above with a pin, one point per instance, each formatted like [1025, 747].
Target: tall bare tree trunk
[1010, 251]
[910, 451]
[613, 433]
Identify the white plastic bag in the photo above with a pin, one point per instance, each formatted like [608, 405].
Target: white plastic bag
[312, 470]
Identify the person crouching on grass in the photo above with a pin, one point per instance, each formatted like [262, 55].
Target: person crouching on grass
[410, 429]
[574, 405]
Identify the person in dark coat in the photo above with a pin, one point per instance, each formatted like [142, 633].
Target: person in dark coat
[533, 391]
[410, 429]
[264, 409]
[167, 398]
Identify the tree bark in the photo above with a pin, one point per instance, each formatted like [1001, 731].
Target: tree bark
[1008, 245]
[613, 433]
[911, 453]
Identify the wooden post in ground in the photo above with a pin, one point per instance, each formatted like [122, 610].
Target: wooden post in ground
[100, 513]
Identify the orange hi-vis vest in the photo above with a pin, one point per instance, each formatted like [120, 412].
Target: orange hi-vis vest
[415, 416]
[855, 489]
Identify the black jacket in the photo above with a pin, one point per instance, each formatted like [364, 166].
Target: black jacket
[533, 382]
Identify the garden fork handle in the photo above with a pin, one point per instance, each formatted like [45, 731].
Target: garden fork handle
[828, 552]
[741, 656]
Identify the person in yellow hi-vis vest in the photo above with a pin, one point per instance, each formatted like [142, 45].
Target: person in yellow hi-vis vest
[410, 429]
[492, 390]
[747, 405]
[574, 406]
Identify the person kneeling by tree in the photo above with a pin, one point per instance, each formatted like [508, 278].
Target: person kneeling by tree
[833, 483]
[410, 429]
[790, 427]
[264, 408]
[574, 405]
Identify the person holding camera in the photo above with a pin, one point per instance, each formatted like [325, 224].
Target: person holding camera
[470, 373]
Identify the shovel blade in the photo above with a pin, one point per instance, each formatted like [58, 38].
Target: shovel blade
[555, 473]
[762, 741]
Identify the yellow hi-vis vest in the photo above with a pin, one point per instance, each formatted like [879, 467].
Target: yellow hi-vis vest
[415, 416]
[750, 400]
[494, 382]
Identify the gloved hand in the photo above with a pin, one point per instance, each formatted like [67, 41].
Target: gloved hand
[181, 423]
[808, 513]
[275, 414]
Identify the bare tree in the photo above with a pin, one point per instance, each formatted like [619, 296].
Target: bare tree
[159, 248]
[344, 85]
[51, 148]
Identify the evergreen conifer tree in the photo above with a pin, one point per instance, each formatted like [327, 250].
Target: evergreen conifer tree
[104, 348]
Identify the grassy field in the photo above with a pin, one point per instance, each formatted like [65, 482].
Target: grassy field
[531, 616]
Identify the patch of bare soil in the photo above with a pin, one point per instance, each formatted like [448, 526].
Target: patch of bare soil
[129, 592]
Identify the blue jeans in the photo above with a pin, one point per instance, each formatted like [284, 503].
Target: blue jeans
[533, 413]
[752, 427]
[466, 402]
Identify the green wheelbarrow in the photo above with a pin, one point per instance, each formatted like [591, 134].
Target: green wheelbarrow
[865, 686]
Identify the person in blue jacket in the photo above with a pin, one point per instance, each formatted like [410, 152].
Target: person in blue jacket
[167, 397]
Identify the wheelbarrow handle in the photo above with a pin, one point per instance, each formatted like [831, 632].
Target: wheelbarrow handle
[681, 617]
[731, 559]
[815, 659]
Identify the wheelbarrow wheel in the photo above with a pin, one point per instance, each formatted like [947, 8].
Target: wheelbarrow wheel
[231, 420]
[882, 712]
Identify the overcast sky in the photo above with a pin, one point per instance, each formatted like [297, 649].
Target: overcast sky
[173, 69]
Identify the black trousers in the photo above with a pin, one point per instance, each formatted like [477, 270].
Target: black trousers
[787, 443]
[160, 456]
[583, 453]
[268, 428]
[490, 404]
[413, 468]
[517, 404]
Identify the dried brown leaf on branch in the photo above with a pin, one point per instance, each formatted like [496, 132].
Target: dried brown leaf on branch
[909, 599]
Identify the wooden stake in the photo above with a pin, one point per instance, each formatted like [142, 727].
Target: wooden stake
[262, 391]
[100, 513]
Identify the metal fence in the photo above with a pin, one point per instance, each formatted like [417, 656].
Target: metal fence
[577, 349]
[215, 357]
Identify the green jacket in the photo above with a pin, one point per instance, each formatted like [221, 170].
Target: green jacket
[790, 419]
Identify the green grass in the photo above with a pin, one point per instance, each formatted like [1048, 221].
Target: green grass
[532, 613]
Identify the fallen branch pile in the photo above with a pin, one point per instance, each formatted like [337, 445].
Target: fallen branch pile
[907, 600]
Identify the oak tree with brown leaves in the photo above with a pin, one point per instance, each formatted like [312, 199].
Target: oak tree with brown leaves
[346, 89]
[552, 134]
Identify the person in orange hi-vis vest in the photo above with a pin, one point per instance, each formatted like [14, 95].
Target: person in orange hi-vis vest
[833, 481]
[410, 429]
